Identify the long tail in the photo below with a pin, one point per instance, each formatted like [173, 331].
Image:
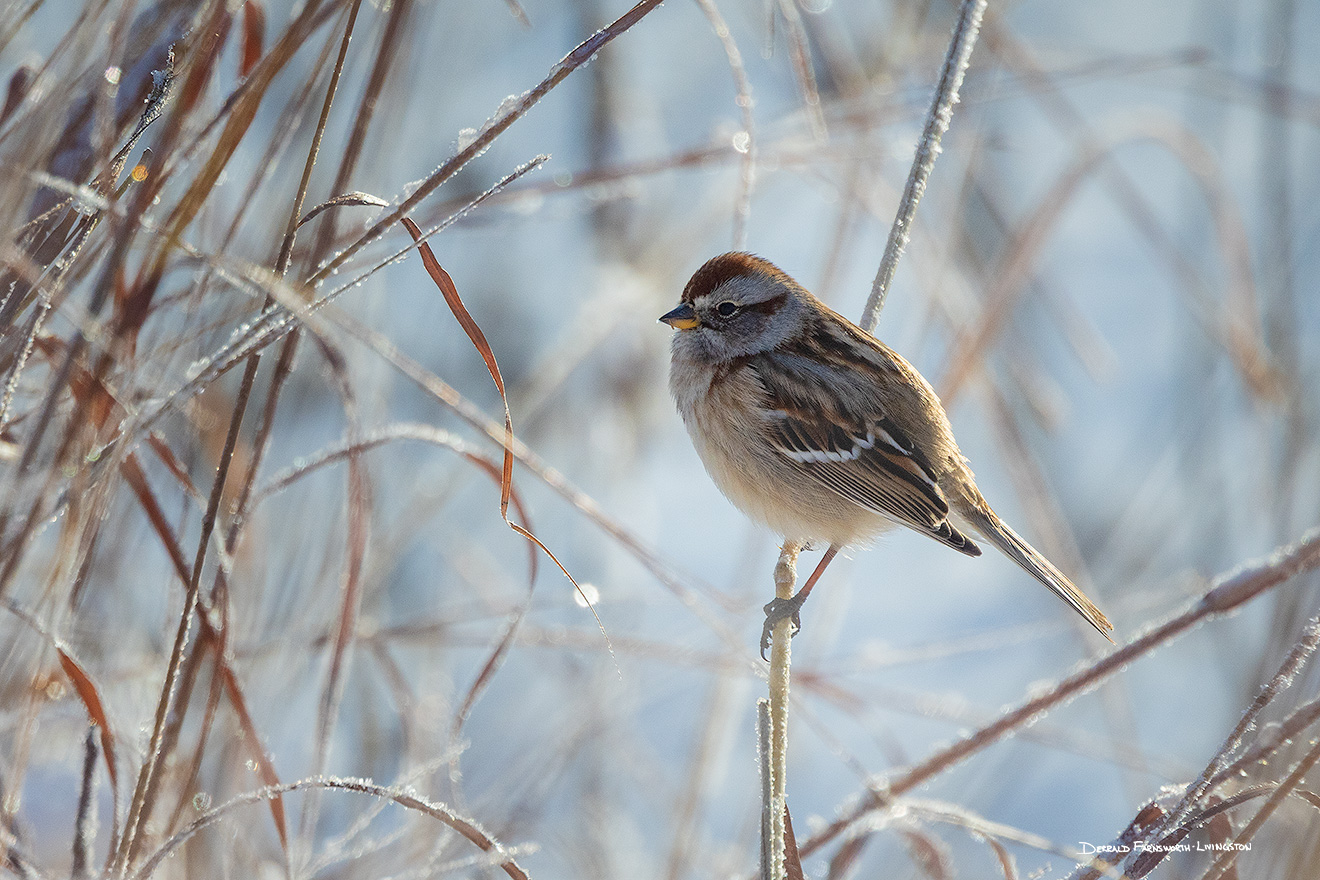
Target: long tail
[994, 530]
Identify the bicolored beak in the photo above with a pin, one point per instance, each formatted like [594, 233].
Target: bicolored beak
[682, 318]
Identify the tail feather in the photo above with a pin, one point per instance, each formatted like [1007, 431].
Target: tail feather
[997, 532]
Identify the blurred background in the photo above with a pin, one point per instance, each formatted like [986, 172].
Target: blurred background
[1109, 283]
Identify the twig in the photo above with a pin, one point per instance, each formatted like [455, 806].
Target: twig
[1229, 590]
[743, 204]
[1282, 679]
[468, 828]
[142, 794]
[357, 488]
[937, 123]
[494, 127]
[84, 834]
[800, 52]
[1288, 730]
[767, 787]
[780, 650]
[270, 326]
[1282, 791]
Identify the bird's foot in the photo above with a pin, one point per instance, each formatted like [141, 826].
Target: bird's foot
[777, 610]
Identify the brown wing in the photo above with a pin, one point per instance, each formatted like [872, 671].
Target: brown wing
[852, 447]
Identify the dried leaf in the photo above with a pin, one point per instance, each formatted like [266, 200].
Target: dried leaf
[495, 473]
[465, 320]
[254, 36]
[792, 861]
[215, 35]
[928, 853]
[19, 84]
[469, 325]
[133, 305]
[91, 700]
[90, 393]
[847, 856]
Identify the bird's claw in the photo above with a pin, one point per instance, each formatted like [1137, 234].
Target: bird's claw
[777, 610]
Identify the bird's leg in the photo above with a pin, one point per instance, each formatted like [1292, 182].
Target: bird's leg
[788, 609]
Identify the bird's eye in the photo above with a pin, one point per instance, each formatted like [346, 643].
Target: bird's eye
[726, 308]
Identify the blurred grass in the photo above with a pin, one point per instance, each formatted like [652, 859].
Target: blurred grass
[1118, 306]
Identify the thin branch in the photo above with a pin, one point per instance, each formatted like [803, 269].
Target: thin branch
[781, 638]
[1228, 858]
[147, 777]
[84, 826]
[747, 148]
[509, 113]
[937, 123]
[1271, 741]
[767, 791]
[468, 828]
[799, 49]
[1229, 591]
[1282, 679]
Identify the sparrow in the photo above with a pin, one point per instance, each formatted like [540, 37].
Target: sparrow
[816, 429]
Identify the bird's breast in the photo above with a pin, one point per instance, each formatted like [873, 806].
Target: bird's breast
[724, 410]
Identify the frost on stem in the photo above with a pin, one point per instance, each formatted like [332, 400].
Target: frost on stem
[937, 123]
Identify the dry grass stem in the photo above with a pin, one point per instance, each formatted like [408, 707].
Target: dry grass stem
[956, 62]
[1228, 592]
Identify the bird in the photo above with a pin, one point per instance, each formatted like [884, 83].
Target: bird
[813, 427]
